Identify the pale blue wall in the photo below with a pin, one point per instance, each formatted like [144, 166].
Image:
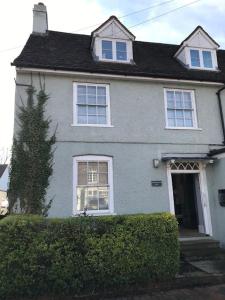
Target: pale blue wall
[138, 136]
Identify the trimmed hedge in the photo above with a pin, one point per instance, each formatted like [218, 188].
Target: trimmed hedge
[84, 255]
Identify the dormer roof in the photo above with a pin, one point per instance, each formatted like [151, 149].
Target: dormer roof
[113, 28]
[201, 34]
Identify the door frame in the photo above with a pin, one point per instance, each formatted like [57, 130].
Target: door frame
[203, 192]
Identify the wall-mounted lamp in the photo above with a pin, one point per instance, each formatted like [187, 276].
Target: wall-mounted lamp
[155, 163]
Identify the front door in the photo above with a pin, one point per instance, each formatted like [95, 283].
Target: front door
[187, 202]
[188, 195]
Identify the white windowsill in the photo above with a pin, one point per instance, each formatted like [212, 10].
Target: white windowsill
[185, 128]
[115, 61]
[91, 213]
[92, 125]
[204, 69]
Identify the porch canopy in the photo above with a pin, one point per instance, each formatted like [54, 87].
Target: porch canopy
[187, 157]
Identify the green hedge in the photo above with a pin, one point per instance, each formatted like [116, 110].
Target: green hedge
[83, 255]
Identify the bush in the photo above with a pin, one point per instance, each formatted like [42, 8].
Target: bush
[85, 254]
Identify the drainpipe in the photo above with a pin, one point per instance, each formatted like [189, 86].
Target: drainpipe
[221, 111]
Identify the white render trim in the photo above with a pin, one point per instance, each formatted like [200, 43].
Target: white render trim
[203, 191]
[194, 112]
[112, 76]
[107, 159]
[108, 114]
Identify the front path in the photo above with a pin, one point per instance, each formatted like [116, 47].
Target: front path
[216, 292]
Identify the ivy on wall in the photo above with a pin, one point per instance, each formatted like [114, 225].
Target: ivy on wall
[32, 156]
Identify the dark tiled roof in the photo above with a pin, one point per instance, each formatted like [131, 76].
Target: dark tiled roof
[71, 52]
[2, 169]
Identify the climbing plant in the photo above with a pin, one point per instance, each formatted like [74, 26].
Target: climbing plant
[32, 155]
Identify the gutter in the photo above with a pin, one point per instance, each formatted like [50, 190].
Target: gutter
[28, 70]
[221, 111]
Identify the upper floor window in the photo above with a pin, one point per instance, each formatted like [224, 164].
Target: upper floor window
[107, 52]
[201, 59]
[93, 184]
[114, 50]
[91, 104]
[180, 109]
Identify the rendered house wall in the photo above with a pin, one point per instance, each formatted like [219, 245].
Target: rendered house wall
[137, 137]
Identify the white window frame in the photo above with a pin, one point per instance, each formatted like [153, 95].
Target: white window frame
[194, 112]
[108, 115]
[213, 56]
[114, 50]
[93, 158]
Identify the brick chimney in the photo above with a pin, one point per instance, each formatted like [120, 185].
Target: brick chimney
[40, 19]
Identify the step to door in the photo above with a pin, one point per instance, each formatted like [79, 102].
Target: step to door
[200, 249]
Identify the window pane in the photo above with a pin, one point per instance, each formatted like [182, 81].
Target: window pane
[188, 114]
[121, 51]
[170, 99]
[188, 123]
[82, 120]
[178, 98]
[102, 120]
[101, 110]
[101, 100]
[180, 122]
[92, 199]
[103, 167]
[81, 197]
[107, 49]
[207, 59]
[91, 90]
[171, 122]
[179, 114]
[81, 99]
[103, 199]
[82, 110]
[92, 110]
[101, 91]
[91, 99]
[171, 113]
[103, 178]
[187, 100]
[81, 89]
[195, 59]
[92, 120]
[82, 173]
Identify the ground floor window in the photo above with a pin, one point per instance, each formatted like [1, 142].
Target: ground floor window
[93, 184]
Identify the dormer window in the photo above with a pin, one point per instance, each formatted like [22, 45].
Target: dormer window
[198, 51]
[112, 42]
[114, 50]
[107, 52]
[121, 51]
[201, 59]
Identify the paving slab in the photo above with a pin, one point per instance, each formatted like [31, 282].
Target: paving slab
[210, 266]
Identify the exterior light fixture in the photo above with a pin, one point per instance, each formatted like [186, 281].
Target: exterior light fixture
[155, 163]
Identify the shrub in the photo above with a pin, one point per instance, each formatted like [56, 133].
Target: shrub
[85, 254]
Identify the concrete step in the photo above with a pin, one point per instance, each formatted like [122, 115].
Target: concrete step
[200, 248]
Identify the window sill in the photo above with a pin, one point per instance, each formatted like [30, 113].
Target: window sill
[116, 61]
[91, 213]
[91, 125]
[184, 128]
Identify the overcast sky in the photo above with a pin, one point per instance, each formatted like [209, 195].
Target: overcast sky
[75, 15]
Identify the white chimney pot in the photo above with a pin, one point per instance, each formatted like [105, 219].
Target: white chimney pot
[40, 18]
